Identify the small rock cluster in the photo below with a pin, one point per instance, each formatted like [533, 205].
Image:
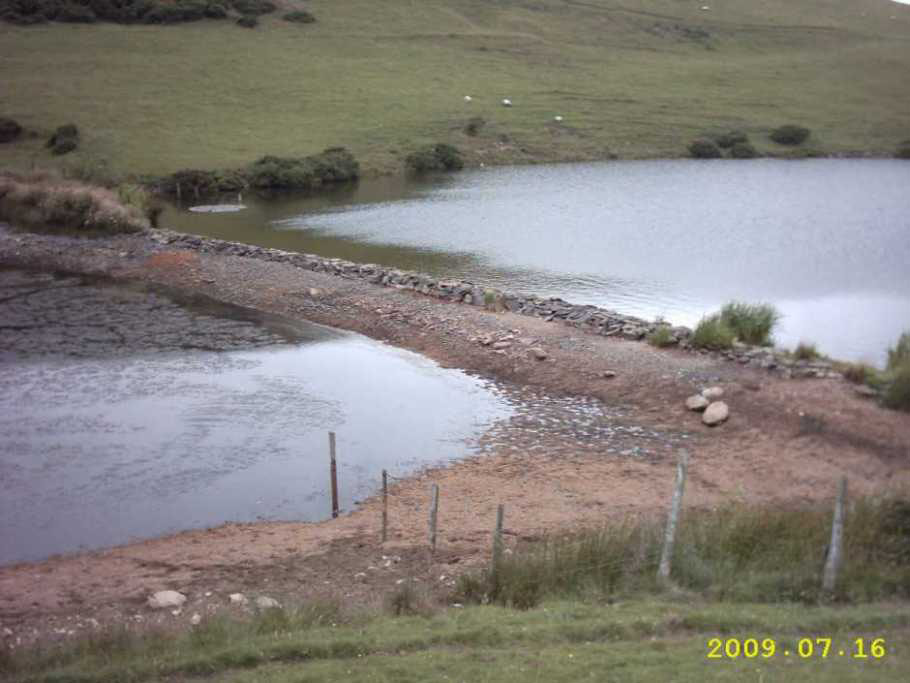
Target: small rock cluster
[713, 411]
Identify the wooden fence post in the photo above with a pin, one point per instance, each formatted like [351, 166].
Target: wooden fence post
[434, 509]
[334, 474]
[497, 542]
[385, 506]
[663, 571]
[835, 549]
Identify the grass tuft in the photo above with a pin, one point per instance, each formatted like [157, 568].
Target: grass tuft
[438, 157]
[704, 149]
[900, 354]
[790, 135]
[751, 323]
[806, 351]
[661, 337]
[713, 333]
[897, 394]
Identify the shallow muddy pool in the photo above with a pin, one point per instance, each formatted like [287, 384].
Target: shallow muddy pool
[126, 413]
[825, 240]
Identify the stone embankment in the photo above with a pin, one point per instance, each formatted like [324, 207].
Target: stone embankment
[591, 318]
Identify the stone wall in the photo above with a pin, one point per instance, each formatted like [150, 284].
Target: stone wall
[590, 318]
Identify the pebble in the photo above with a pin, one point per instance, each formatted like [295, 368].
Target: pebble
[697, 403]
[237, 599]
[713, 393]
[265, 602]
[538, 353]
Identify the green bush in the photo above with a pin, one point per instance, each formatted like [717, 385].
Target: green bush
[25, 12]
[704, 149]
[897, 393]
[713, 333]
[790, 135]
[9, 129]
[333, 165]
[299, 17]
[751, 323]
[900, 354]
[64, 140]
[727, 140]
[254, 7]
[743, 150]
[661, 337]
[439, 157]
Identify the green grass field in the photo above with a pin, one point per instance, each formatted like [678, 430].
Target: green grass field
[643, 640]
[632, 79]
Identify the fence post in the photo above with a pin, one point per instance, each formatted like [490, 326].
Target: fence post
[333, 470]
[835, 549]
[663, 571]
[434, 508]
[497, 542]
[385, 506]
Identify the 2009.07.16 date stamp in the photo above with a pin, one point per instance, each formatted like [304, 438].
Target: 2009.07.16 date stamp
[806, 648]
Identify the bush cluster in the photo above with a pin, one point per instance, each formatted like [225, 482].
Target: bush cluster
[299, 17]
[439, 157]
[49, 202]
[712, 333]
[64, 140]
[9, 129]
[736, 141]
[29, 12]
[334, 165]
[748, 323]
[790, 135]
[897, 393]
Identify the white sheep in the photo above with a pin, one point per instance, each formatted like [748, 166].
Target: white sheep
[507, 103]
[557, 118]
[468, 98]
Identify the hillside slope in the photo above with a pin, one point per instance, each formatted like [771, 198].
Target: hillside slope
[631, 79]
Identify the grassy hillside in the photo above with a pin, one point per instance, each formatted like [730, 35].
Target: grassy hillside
[634, 79]
[561, 641]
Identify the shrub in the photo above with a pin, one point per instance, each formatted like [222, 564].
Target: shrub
[9, 129]
[72, 13]
[48, 202]
[743, 150]
[65, 139]
[254, 7]
[661, 337]
[713, 333]
[903, 150]
[790, 135]
[751, 323]
[727, 140]
[704, 149]
[333, 165]
[806, 351]
[900, 354]
[439, 157]
[299, 17]
[473, 126]
[897, 395]
[248, 21]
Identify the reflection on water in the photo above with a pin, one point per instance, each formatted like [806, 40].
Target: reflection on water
[826, 240]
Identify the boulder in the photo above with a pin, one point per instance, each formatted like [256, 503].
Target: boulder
[237, 599]
[697, 403]
[715, 413]
[712, 393]
[538, 353]
[608, 374]
[163, 599]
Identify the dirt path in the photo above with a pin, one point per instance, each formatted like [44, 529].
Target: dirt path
[786, 441]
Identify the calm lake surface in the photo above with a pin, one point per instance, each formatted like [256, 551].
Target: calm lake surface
[826, 241]
[117, 440]
[127, 413]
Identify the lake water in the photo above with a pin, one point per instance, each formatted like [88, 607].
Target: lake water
[826, 241]
[128, 413]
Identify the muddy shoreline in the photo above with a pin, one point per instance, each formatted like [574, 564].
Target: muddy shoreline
[787, 440]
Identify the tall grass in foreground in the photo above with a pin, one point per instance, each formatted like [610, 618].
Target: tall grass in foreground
[751, 323]
[737, 553]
